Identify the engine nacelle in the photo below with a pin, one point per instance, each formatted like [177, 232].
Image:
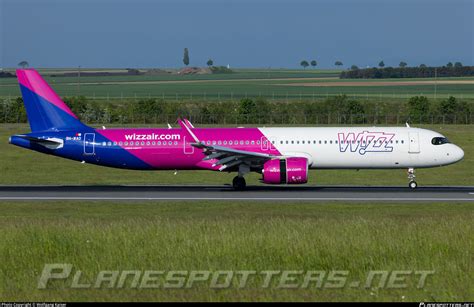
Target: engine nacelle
[292, 170]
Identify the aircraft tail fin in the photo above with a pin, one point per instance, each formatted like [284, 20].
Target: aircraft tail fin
[44, 108]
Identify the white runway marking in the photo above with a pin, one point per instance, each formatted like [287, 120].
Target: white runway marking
[239, 198]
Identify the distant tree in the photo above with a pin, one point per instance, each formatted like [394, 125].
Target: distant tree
[186, 57]
[450, 65]
[356, 111]
[304, 63]
[314, 63]
[337, 104]
[354, 107]
[221, 70]
[13, 110]
[210, 62]
[23, 64]
[263, 107]
[451, 107]
[247, 109]
[133, 71]
[148, 108]
[338, 63]
[78, 104]
[403, 64]
[418, 107]
[421, 71]
[458, 64]
[354, 67]
[448, 106]
[246, 106]
[381, 64]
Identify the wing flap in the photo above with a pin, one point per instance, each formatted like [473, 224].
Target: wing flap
[229, 157]
[226, 157]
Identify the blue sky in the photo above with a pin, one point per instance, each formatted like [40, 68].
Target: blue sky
[258, 33]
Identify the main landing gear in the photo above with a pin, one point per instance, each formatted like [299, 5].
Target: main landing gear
[411, 177]
[239, 183]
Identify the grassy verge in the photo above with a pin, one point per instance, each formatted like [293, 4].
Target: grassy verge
[214, 236]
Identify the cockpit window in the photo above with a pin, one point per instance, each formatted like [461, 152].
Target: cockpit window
[439, 141]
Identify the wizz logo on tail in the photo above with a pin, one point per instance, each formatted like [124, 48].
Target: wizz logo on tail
[365, 142]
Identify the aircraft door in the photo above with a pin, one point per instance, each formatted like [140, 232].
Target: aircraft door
[267, 144]
[89, 144]
[187, 147]
[264, 143]
[414, 145]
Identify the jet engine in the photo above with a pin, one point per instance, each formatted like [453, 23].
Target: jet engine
[292, 170]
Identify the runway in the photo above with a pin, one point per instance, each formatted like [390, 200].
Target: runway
[226, 193]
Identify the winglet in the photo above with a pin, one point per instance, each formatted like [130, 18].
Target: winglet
[188, 129]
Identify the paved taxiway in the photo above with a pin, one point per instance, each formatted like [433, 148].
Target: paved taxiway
[208, 192]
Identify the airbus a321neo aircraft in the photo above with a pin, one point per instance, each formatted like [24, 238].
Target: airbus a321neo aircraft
[281, 155]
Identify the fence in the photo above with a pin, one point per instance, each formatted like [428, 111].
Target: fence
[275, 96]
[280, 96]
[273, 119]
[290, 119]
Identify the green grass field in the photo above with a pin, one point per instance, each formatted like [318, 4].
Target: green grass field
[242, 83]
[20, 166]
[234, 236]
[237, 236]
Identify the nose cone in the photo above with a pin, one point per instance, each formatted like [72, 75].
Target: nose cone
[457, 154]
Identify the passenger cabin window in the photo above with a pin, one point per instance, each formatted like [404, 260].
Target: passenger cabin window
[439, 141]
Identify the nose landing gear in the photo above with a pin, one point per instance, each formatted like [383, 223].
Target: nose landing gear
[411, 177]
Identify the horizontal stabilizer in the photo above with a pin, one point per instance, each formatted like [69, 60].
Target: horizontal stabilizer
[51, 143]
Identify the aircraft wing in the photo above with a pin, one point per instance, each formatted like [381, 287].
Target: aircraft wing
[226, 157]
[229, 157]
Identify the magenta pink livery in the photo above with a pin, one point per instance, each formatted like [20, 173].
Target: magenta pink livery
[172, 148]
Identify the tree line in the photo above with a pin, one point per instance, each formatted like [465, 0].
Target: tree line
[408, 72]
[339, 109]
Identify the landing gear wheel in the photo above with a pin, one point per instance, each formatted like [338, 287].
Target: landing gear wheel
[411, 177]
[239, 183]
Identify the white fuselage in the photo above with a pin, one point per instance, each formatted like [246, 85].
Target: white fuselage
[364, 147]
